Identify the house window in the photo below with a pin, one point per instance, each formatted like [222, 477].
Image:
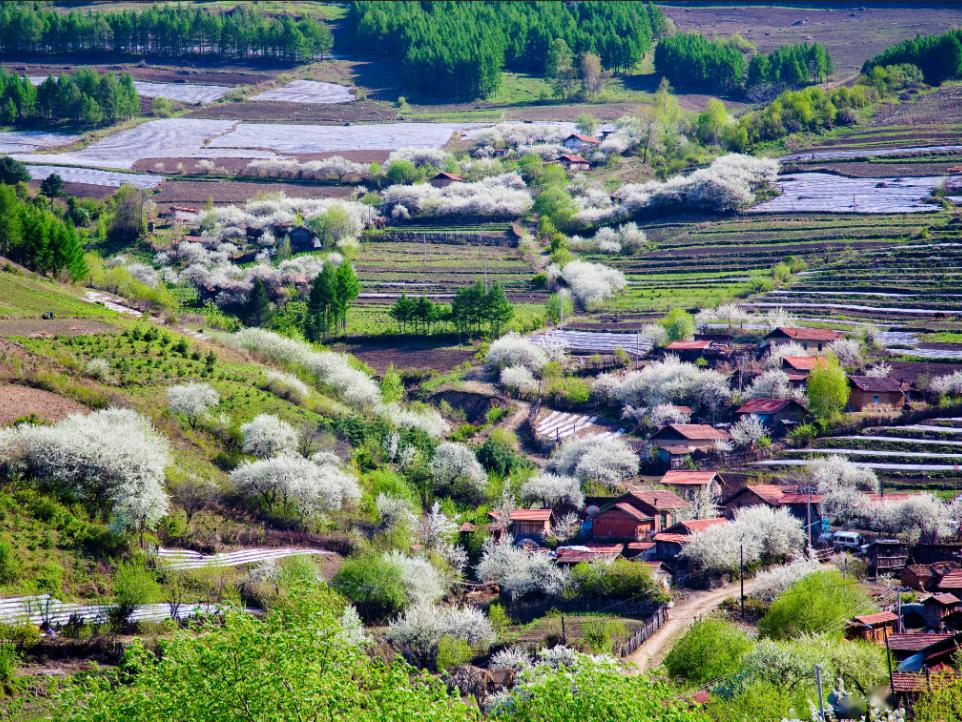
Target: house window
[664, 519]
[876, 399]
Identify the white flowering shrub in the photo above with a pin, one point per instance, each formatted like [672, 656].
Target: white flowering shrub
[833, 473]
[425, 418]
[419, 629]
[728, 314]
[847, 350]
[422, 581]
[509, 135]
[763, 534]
[113, 461]
[98, 368]
[779, 352]
[455, 470]
[333, 168]
[331, 369]
[144, 273]
[655, 334]
[519, 380]
[881, 370]
[293, 484]
[770, 384]
[591, 284]
[504, 196]
[626, 238]
[665, 382]
[912, 517]
[605, 459]
[748, 431]
[419, 156]
[947, 385]
[286, 386]
[266, 435]
[552, 490]
[664, 414]
[780, 317]
[395, 511]
[510, 658]
[518, 571]
[515, 350]
[770, 583]
[192, 400]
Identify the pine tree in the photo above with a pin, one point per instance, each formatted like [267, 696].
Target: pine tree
[320, 304]
[497, 309]
[257, 310]
[347, 288]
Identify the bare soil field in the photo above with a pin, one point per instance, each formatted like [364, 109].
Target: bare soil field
[362, 111]
[859, 169]
[19, 401]
[183, 73]
[81, 190]
[852, 32]
[52, 327]
[941, 106]
[236, 165]
[441, 353]
[222, 191]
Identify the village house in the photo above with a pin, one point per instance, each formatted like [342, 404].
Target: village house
[675, 442]
[936, 608]
[811, 339]
[869, 392]
[951, 582]
[303, 238]
[903, 646]
[636, 515]
[530, 523]
[872, 627]
[887, 556]
[575, 554]
[444, 179]
[574, 163]
[803, 506]
[690, 484]
[689, 351]
[925, 577]
[779, 416]
[797, 368]
[670, 542]
[581, 143]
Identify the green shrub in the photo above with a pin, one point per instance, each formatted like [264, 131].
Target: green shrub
[497, 456]
[712, 648]
[620, 579]
[9, 563]
[452, 652]
[374, 585]
[601, 636]
[819, 602]
[500, 621]
[133, 585]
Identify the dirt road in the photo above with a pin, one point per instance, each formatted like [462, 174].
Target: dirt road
[686, 611]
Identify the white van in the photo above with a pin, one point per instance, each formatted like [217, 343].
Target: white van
[847, 540]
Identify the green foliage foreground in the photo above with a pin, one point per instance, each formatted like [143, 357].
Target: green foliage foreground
[307, 660]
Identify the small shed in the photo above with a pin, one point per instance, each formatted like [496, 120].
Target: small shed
[906, 645]
[937, 607]
[303, 238]
[530, 523]
[872, 627]
[869, 392]
[811, 339]
[887, 556]
[575, 163]
[688, 350]
[580, 143]
[951, 582]
[695, 437]
[575, 554]
[688, 484]
[444, 179]
[670, 542]
[777, 415]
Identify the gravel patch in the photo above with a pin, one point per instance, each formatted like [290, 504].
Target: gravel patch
[308, 91]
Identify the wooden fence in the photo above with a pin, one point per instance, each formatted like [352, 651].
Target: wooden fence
[643, 634]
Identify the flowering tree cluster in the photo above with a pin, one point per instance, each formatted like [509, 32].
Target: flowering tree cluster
[334, 168]
[728, 314]
[748, 431]
[266, 435]
[331, 369]
[423, 583]
[519, 380]
[112, 460]
[772, 383]
[456, 471]
[518, 571]
[419, 629]
[513, 349]
[605, 459]
[552, 490]
[425, 418]
[626, 238]
[287, 386]
[847, 350]
[192, 400]
[591, 284]
[763, 534]
[947, 385]
[504, 196]
[770, 583]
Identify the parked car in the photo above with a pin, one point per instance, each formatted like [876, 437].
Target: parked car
[847, 541]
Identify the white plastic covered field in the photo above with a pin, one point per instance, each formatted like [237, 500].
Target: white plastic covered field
[44, 609]
[190, 93]
[28, 141]
[181, 559]
[95, 177]
[555, 426]
[829, 193]
[594, 341]
[308, 91]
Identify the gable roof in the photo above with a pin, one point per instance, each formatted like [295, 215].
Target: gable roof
[573, 158]
[688, 478]
[871, 620]
[587, 552]
[696, 432]
[531, 515]
[673, 538]
[767, 406]
[806, 334]
[915, 642]
[694, 526]
[775, 495]
[875, 385]
[802, 363]
[944, 599]
[630, 509]
[584, 138]
[688, 345]
[952, 580]
[449, 176]
[658, 500]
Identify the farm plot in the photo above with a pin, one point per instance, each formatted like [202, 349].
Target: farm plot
[592, 342]
[28, 141]
[184, 559]
[827, 192]
[853, 152]
[190, 93]
[43, 609]
[307, 91]
[440, 353]
[17, 402]
[552, 427]
[90, 176]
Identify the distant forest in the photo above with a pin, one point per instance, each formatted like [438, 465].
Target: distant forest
[160, 31]
[85, 98]
[693, 62]
[939, 57]
[457, 50]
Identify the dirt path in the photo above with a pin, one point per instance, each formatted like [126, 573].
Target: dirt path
[685, 613]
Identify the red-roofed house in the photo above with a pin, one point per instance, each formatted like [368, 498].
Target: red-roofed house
[636, 515]
[797, 368]
[695, 437]
[581, 143]
[530, 522]
[689, 483]
[811, 339]
[775, 496]
[575, 554]
[937, 607]
[670, 542]
[951, 582]
[575, 162]
[444, 179]
[868, 392]
[872, 627]
[777, 415]
[687, 350]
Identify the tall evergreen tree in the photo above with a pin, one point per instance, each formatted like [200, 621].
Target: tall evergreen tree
[257, 310]
[321, 304]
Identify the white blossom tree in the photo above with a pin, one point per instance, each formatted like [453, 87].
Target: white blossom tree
[519, 572]
[192, 400]
[947, 385]
[605, 459]
[513, 350]
[419, 629]
[591, 284]
[455, 470]
[770, 384]
[422, 581]
[266, 435]
[847, 350]
[758, 532]
[519, 380]
[748, 431]
[293, 484]
[781, 351]
[552, 490]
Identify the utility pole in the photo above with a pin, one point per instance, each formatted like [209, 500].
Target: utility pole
[818, 683]
[888, 658]
[564, 633]
[741, 574]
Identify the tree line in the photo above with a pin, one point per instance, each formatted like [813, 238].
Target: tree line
[474, 310]
[457, 50]
[84, 97]
[37, 238]
[165, 31]
[939, 57]
[692, 61]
